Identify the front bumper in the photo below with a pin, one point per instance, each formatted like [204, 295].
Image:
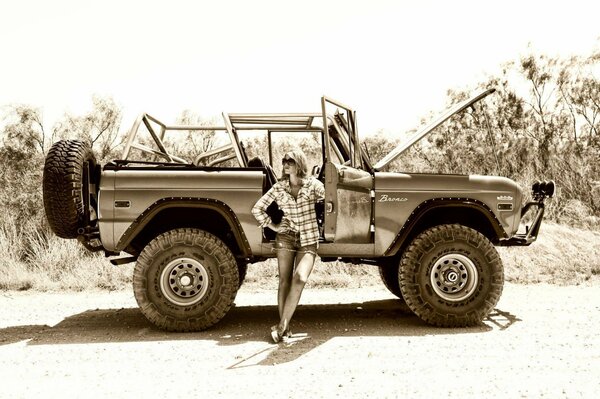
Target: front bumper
[541, 191]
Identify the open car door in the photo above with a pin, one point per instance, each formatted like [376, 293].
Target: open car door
[348, 180]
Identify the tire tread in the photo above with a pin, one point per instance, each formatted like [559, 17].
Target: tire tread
[62, 184]
[411, 262]
[228, 276]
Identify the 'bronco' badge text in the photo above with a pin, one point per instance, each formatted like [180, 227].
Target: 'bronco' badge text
[387, 198]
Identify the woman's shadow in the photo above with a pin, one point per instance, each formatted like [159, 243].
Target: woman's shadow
[312, 326]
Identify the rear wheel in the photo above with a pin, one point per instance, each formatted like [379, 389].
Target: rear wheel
[451, 276]
[185, 280]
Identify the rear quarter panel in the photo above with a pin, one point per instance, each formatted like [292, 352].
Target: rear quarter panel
[239, 189]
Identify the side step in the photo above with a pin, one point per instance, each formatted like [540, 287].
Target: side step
[123, 260]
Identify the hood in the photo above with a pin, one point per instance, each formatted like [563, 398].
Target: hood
[424, 131]
[444, 186]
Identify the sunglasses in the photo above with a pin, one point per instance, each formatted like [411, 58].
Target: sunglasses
[288, 161]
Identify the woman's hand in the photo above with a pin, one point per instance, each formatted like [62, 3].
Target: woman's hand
[274, 227]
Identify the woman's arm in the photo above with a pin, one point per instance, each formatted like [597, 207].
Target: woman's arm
[259, 210]
[319, 190]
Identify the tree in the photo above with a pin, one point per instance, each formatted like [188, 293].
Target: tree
[195, 142]
[548, 122]
[24, 131]
[580, 92]
[21, 157]
[99, 127]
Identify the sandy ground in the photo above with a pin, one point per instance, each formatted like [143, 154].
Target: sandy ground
[540, 341]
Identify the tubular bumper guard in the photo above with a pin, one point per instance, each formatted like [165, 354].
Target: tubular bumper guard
[541, 191]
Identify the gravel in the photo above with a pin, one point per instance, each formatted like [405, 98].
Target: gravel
[540, 341]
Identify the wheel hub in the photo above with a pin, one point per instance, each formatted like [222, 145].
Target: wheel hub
[184, 281]
[454, 277]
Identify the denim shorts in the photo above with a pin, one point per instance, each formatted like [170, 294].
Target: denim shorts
[290, 241]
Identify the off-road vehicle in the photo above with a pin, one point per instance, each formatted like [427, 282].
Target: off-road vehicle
[187, 223]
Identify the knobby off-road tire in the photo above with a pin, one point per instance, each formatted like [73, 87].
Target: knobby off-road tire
[451, 276]
[389, 276]
[185, 280]
[62, 186]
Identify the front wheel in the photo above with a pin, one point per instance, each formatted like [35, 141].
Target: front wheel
[389, 275]
[451, 276]
[185, 280]
[242, 271]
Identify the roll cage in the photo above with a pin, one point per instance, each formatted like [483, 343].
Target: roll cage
[337, 130]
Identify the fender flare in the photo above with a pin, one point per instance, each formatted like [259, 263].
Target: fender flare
[423, 208]
[220, 207]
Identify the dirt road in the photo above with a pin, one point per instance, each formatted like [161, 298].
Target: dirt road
[540, 341]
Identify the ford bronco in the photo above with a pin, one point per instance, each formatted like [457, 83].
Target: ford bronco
[187, 223]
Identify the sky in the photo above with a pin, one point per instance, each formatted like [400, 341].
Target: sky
[392, 61]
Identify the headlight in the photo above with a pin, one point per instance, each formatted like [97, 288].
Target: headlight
[543, 189]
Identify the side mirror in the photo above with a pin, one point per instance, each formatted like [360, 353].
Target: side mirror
[315, 170]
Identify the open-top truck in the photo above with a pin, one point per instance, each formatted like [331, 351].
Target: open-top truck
[187, 223]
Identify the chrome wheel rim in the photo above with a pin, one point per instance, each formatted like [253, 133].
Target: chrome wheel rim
[454, 277]
[184, 281]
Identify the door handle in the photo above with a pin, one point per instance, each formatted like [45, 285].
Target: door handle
[329, 207]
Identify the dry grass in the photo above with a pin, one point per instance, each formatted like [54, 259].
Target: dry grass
[562, 255]
[49, 263]
[325, 274]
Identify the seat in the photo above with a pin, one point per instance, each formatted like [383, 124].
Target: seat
[271, 178]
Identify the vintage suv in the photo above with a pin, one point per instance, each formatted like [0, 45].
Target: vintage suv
[187, 223]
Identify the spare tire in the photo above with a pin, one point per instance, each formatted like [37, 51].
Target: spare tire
[62, 186]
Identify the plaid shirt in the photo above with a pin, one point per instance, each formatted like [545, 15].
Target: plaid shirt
[298, 214]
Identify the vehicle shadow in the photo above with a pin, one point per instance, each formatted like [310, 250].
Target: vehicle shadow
[312, 326]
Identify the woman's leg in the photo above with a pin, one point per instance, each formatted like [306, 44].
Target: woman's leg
[305, 262]
[285, 262]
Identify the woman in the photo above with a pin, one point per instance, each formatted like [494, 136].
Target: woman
[297, 235]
